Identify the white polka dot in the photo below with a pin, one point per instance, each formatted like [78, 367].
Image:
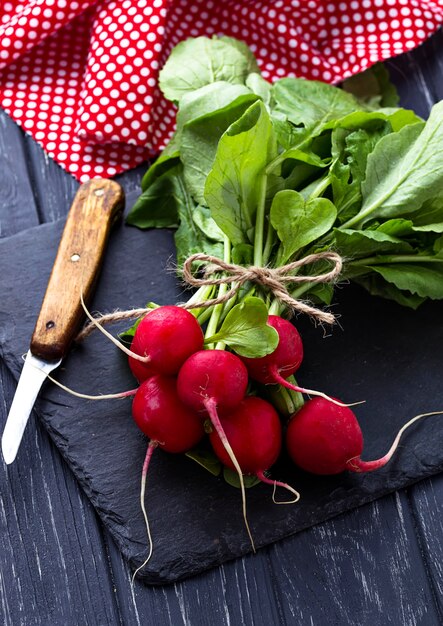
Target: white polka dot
[127, 48]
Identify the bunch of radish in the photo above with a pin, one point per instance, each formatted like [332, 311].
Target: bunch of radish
[182, 386]
[186, 391]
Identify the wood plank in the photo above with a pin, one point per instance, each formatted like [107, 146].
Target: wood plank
[305, 579]
[408, 73]
[54, 189]
[427, 507]
[237, 592]
[427, 62]
[364, 567]
[434, 63]
[17, 205]
[53, 568]
[426, 498]
[53, 565]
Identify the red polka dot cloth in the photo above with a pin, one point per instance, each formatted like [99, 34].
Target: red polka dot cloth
[80, 76]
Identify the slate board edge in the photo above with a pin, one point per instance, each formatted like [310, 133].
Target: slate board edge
[150, 578]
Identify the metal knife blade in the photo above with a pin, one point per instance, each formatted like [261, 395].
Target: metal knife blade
[96, 206]
[31, 379]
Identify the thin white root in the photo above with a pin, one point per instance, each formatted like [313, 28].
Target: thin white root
[85, 396]
[278, 378]
[111, 318]
[215, 420]
[312, 392]
[151, 447]
[277, 483]
[123, 348]
[289, 488]
[356, 464]
[396, 441]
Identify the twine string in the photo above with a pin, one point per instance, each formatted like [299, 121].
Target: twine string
[272, 279]
[218, 272]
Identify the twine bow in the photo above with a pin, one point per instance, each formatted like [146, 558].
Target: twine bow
[272, 279]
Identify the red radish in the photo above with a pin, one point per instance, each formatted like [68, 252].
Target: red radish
[159, 413]
[275, 368]
[167, 336]
[253, 429]
[284, 361]
[324, 438]
[210, 380]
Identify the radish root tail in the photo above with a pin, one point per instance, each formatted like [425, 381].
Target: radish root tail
[211, 408]
[357, 465]
[276, 483]
[111, 318]
[151, 447]
[85, 396]
[134, 355]
[310, 392]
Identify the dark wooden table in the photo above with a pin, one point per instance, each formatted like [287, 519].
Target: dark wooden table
[379, 564]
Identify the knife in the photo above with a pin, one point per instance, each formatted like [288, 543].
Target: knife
[96, 206]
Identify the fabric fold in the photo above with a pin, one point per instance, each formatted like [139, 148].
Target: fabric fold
[119, 86]
[23, 26]
[81, 76]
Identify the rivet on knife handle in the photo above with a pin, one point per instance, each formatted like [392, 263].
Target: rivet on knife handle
[97, 204]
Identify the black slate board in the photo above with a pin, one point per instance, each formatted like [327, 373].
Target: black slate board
[385, 354]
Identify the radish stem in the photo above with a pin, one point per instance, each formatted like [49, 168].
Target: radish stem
[260, 221]
[218, 308]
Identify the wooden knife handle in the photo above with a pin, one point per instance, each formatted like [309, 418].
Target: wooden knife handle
[97, 205]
